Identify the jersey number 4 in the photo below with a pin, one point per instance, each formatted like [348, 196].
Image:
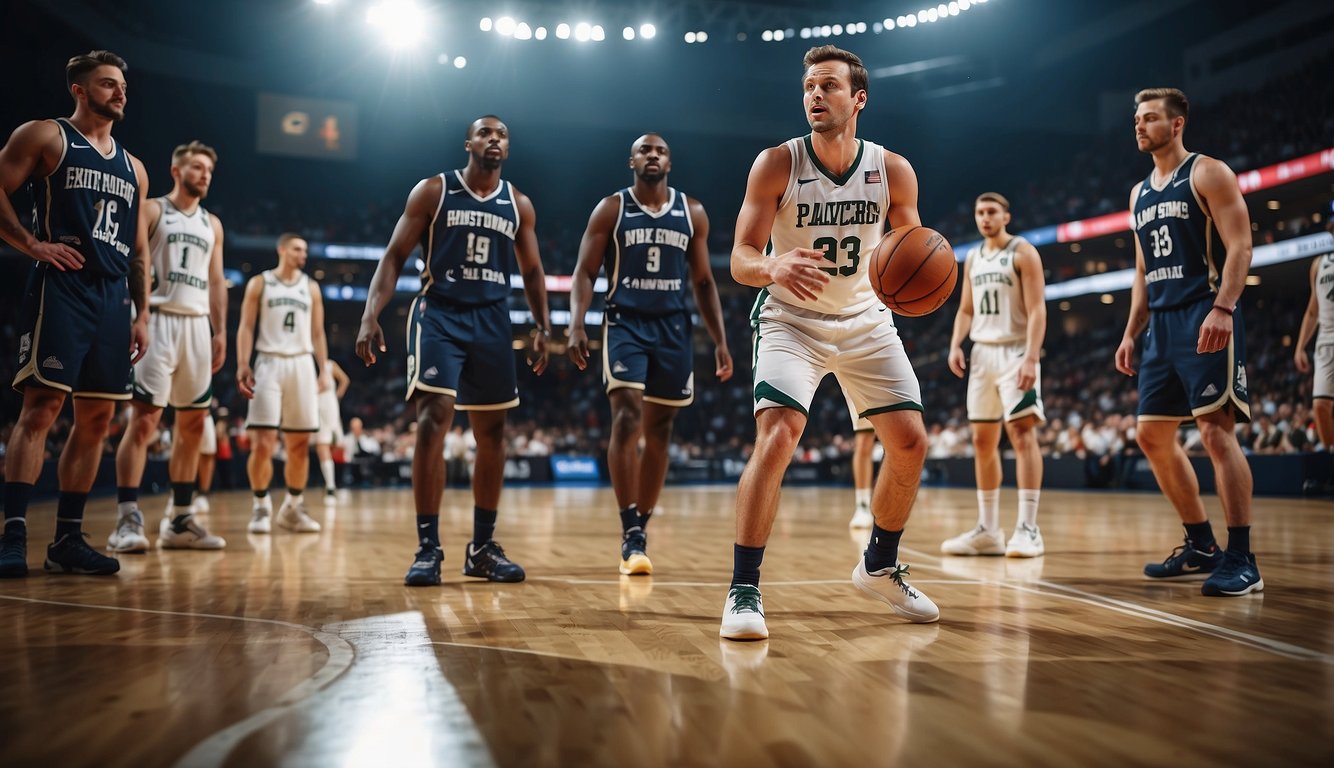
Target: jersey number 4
[830, 245]
[289, 322]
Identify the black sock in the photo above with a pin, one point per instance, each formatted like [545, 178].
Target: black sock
[1239, 539]
[1200, 535]
[428, 528]
[882, 551]
[295, 492]
[125, 493]
[261, 494]
[69, 513]
[182, 494]
[630, 518]
[16, 506]
[746, 565]
[483, 525]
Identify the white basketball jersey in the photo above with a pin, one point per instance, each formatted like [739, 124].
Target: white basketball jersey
[999, 315]
[1324, 291]
[284, 316]
[181, 249]
[841, 215]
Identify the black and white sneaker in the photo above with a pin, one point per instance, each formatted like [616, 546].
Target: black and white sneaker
[489, 562]
[71, 554]
[425, 568]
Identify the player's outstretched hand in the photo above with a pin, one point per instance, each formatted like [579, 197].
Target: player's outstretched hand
[577, 348]
[1215, 332]
[58, 255]
[538, 360]
[370, 339]
[958, 364]
[138, 338]
[1303, 362]
[723, 359]
[1125, 356]
[245, 381]
[800, 270]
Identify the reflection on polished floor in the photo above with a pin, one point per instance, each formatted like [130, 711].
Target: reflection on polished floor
[307, 650]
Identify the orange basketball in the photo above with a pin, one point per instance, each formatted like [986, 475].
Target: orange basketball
[913, 270]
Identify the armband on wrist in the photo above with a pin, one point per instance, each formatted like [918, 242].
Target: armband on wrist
[1226, 310]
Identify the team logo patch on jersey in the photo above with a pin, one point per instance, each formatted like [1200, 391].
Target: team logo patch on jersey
[1241, 378]
[618, 367]
[872, 177]
[52, 363]
[1209, 391]
[25, 343]
[431, 373]
[412, 366]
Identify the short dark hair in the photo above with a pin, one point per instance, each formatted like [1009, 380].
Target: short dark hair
[185, 151]
[1173, 99]
[994, 197]
[820, 53]
[288, 237]
[79, 67]
[467, 132]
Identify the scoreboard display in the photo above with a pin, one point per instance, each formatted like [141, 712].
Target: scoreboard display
[301, 127]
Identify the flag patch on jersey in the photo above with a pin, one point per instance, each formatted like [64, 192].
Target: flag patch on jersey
[873, 177]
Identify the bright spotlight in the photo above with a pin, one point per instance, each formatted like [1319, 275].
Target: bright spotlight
[540, 33]
[628, 33]
[523, 31]
[877, 27]
[505, 26]
[647, 31]
[702, 37]
[767, 35]
[826, 30]
[964, 5]
[486, 24]
[599, 34]
[779, 34]
[583, 31]
[690, 37]
[460, 62]
[954, 9]
[931, 15]
[563, 31]
[805, 33]
[402, 23]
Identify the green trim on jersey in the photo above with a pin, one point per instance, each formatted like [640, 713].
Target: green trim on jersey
[1029, 400]
[755, 308]
[766, 391]
[847, 175]
[906, 405]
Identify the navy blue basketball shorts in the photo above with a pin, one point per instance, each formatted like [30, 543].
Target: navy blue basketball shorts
[1175, 382]
[75, 334]
[649, 353]
[463, 351]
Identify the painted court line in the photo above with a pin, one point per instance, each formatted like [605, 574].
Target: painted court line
[1052, 589]
[214, 750]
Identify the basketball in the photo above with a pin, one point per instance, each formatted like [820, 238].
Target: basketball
[913, 270]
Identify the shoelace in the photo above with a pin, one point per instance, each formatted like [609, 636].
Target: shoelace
[899, 572]
[745, 599]
[1178, 552]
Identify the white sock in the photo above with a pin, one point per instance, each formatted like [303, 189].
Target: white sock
[266, 502]
[327, 469]
[988, 509]
[864, 497]
[126, 507]
[1028, 507]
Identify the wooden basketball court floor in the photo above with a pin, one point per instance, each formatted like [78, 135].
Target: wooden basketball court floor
[307, 650]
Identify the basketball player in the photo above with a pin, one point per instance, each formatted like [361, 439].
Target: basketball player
[76, 333]
[1004, 313]
[476, 230]
[282, 386]
[188, 323]
[863, 466]
[1320, 312]
[1192, 253]
[814, 208]
[333, 386]
[650, 233]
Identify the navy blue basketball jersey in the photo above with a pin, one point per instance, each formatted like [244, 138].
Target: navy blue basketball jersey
[469, 246]
[90, 202]
[1182, 250]
[646, 262]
